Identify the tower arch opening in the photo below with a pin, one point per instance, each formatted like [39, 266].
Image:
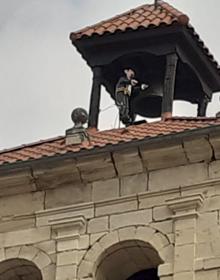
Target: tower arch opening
[19, 269]
[128, 260]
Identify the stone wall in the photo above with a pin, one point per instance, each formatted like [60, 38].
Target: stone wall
[64, 216]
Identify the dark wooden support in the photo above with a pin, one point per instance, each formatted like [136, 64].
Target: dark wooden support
[202, 106]
[169, 85]
[95, 97]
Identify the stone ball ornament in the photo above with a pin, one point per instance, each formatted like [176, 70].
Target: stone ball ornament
[79, 117]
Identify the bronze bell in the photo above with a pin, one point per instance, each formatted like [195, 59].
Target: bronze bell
[148, 103]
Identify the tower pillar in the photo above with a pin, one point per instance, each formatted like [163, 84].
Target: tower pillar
[95, 97]
[169, 85]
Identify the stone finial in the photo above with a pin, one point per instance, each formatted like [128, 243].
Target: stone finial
[78, 133]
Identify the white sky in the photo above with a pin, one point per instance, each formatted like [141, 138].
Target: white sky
[42, 77]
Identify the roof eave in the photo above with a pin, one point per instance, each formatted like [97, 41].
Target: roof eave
[171, 138]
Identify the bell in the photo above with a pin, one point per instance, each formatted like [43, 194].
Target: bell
[148, 103]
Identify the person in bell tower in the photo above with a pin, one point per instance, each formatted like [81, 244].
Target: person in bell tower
[126, 87]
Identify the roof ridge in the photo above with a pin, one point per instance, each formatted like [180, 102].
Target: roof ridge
[175, 12]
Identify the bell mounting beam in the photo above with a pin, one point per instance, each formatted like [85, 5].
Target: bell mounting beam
[169, 85]
[95, 97]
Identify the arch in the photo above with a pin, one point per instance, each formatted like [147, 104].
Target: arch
[32, 254]
[19, 269]
[156, 243]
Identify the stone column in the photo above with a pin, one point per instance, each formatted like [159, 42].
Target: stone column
[66, 232]
[185, 221]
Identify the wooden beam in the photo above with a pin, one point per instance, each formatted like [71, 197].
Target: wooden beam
[169, 85]
[95, 97]
[202, 106]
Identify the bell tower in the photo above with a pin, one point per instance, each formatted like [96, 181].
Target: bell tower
[158, 42]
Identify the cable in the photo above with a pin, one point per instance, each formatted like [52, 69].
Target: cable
[116, 118]
[107, 108]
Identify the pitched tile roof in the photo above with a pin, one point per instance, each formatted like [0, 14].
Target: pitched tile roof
[144, 16]
[100, 139]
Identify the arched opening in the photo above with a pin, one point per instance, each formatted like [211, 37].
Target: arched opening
[128, 260]
[19, 269]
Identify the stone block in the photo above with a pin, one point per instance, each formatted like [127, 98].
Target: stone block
[152, 199]
[66, 258]
[141, 217]
[211, 263]
[185, 236]
[28, 252]
[161, 213]
[167, 156]
[108, 240]
[103, 190]
[189, 275]
[128, 162]
[81, 255]
[134, 184]
[17, 224]
[21, 204]
[209, 274]
[57, 175]
[214, 169]
[211, 204]
[215, 142]
[165, 269]
[183, 224]
[83, 242]
[48, 247]
[12, 253]
[2, 254]
[25, 237]
[67, 272]
[207, 226]
[95, 168]
[204, 250]
[127, 233]
[94, 237]
[94, 253]
[48, 272]
[165, 226]
[176, 177]
[42, 260]
[144, 232]
[118, 205]
[167, 254]
[68, 244]
[85, 270]
[184, 258]
[98, 225]
[159, 241]
[68, 195]
[198, 150]
[16, 182]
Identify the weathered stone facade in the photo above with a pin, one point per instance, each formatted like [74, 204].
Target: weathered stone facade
[114, 213]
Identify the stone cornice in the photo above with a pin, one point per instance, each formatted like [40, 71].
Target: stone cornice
[185, 206]
[68, 227]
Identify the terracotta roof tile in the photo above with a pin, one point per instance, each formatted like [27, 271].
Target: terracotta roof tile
[100, 139]
[134, 18]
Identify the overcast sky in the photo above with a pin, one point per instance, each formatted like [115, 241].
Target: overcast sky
[42, 77]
